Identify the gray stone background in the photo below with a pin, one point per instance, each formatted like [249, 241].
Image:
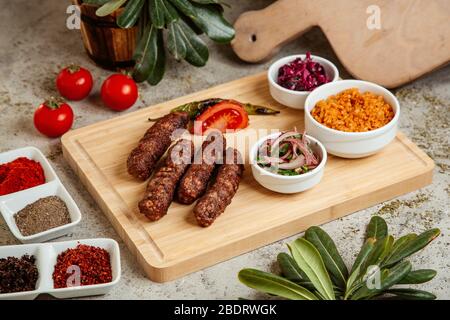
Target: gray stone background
[35, 44]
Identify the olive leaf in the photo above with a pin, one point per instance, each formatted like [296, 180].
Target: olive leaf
[418, 276]
[309, 260]
[373, 275]
[160, 64]
[330, 255]
[208, 19]
[377, 228]
[131, 14]
[147, 55]
[380, 251]
[388, 278]
[183, 43]
[354, 282]
[175, 42]
[275, 285]
[413, 246]
[411, 294]
[217, 3]
[400, 243]
[170, 13]
[208, 1]
[363, 254]
[290, 269]
[109, 7]
[96, 2]
[212, 22]
[157, 13]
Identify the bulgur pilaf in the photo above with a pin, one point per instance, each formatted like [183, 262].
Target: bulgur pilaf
[351, 111]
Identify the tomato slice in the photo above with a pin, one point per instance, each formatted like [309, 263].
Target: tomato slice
[225, 116]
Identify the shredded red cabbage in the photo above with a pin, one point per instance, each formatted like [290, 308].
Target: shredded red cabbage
[302, 75]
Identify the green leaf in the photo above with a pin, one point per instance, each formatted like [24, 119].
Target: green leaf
[96, 2]
[175, 42]
[352, 284]
[157, 13]
[290, 269]
[208, 19]
[160, 65]
[399, 245]
[109, 7]
[418, 276]
[377, 228]
[308, 259]
[213, 23]
[379, 252]
[275, 285]
[216, 3]
[184, 43]
[207, 1]
[363, 254]
[388, 278]
[413, 246]
[355, 273]
[330, 255]
[146, 54]
[412, 294]
[131, 14]
[170, 13]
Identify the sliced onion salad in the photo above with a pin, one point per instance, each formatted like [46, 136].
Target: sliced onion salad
[289, 154]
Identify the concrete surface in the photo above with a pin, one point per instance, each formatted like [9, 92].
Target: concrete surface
[35, 44]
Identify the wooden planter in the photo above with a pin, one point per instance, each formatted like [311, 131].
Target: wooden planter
[106, 43]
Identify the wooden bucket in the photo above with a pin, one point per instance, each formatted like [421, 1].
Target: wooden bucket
[106, 43]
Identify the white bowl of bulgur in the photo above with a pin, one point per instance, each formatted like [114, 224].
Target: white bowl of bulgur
[352, 118]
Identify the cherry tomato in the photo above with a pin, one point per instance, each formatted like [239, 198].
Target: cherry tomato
[53, 118]
[119, 92]
[74, 83]
[226, 115]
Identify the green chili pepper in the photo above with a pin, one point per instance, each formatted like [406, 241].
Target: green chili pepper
[255, 110]
[196, 108]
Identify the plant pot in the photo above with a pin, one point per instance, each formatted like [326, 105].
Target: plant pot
[106, 43]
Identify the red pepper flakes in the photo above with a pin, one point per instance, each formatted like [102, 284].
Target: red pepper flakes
[20, 174]
[94, 264]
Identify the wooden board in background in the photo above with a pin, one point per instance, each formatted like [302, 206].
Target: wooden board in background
[413, 38]
[176, 245]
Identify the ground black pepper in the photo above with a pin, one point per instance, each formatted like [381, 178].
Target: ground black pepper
[18, 274]
[42, 215]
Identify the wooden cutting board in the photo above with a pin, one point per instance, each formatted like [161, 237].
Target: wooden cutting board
[176, 245]
[413, 38]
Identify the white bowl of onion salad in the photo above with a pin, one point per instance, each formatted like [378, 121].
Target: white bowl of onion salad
[288, 162]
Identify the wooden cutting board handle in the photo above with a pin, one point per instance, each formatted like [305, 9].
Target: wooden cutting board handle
[260, 33]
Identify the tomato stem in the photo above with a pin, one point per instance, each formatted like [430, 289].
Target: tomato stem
[72, 68]
[53, 103]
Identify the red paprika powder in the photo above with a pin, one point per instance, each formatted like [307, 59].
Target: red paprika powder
[20, 174]
[93, 263]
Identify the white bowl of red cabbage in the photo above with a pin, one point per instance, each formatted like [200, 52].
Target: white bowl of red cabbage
[293, 78]
[288, 162]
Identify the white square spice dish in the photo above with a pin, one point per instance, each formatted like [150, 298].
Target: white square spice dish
[46, 255]
[12, 203]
